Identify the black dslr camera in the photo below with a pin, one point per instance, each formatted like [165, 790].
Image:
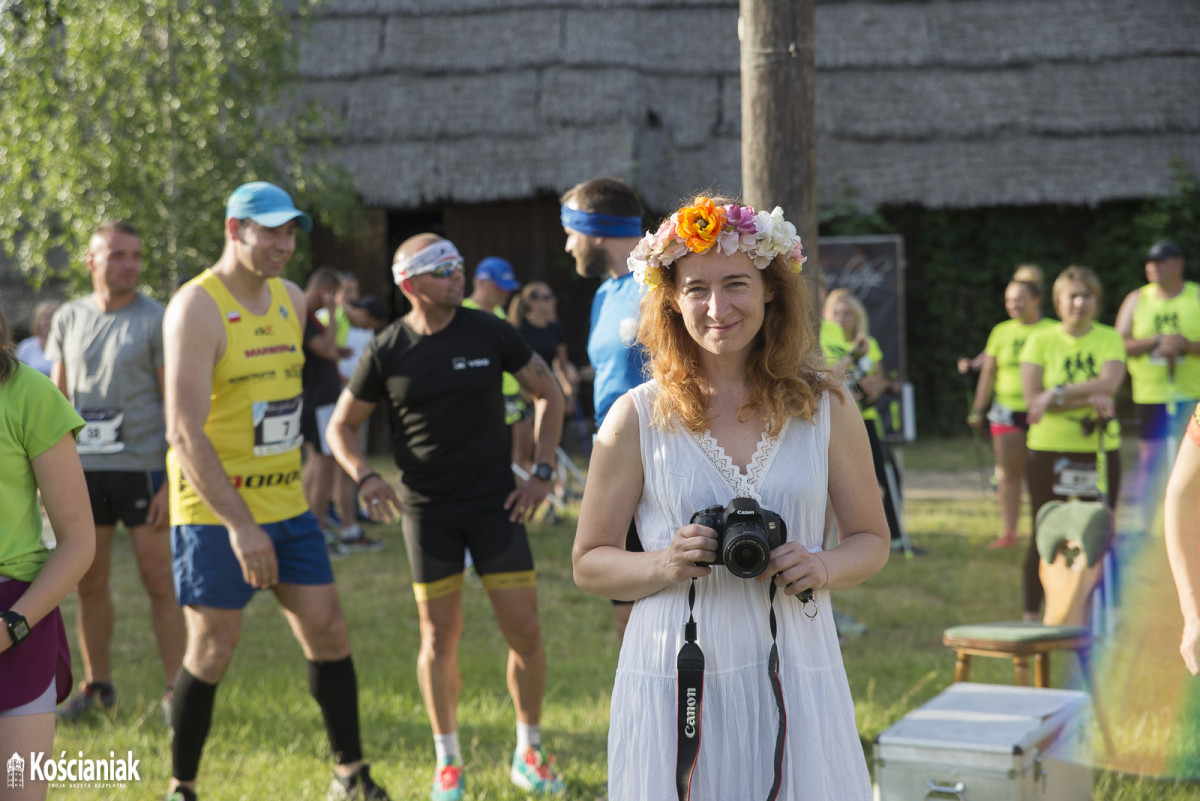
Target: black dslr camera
[746, 534]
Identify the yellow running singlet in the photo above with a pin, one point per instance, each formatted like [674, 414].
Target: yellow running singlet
[254, 421]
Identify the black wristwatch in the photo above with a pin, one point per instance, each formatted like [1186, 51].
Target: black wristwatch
[18, 626]
[543, 471]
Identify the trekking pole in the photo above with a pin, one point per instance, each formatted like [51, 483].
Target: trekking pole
[976, 437]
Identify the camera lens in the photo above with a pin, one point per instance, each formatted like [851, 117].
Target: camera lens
[746, 553]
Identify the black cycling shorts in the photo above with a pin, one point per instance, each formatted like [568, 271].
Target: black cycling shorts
[437, 541]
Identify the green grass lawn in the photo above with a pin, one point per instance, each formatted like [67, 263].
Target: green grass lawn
[267, 741]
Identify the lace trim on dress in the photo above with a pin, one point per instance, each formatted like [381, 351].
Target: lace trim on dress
[744, 485]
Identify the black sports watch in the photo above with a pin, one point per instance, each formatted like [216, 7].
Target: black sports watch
[18, 626]
[543, 471]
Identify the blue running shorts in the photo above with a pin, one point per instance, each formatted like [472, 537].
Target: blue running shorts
[207, 573]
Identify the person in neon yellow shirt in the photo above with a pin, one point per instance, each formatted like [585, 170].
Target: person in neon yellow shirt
[1160, 323]
[857, 352]
[998, 393]
[1069, 374]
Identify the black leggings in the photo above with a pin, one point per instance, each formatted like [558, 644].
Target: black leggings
[881, 457]
[1042, 473]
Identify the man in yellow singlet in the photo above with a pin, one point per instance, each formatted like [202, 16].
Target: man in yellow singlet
[233, 359]
[1160, 323]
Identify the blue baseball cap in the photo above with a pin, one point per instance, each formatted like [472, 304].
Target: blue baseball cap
[266, 204]
[499, 271]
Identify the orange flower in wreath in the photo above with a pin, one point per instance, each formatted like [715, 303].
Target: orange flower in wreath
[699, 224]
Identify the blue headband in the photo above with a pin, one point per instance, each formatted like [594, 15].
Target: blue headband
[589, 223]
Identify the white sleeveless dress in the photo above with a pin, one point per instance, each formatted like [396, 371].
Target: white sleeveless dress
[823, 759]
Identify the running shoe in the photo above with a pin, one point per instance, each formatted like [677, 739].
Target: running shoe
[1003, 541]
[357, 786]
[181, 794]
[449, 782]
[533, 772]
[98, 695]
[355, 541]
[334, 543]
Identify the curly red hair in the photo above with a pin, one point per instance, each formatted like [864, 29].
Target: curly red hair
[786, 370]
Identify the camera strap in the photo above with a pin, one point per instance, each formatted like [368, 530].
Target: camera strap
[689, 666]
[690, 678]
[777, 689]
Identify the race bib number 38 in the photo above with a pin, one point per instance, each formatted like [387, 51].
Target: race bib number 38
[101, 431]
[276, 426]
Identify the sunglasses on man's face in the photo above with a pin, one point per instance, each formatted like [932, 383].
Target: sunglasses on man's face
[445, 270]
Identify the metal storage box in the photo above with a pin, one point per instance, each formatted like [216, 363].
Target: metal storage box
[988, 742]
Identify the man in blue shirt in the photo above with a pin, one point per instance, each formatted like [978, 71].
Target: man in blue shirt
[603, 222]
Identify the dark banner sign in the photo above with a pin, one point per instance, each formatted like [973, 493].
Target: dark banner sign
[872, 267]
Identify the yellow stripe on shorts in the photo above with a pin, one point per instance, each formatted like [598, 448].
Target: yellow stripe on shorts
[517, 580]
[436, 589]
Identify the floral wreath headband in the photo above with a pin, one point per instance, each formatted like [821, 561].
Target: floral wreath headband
[700, 227]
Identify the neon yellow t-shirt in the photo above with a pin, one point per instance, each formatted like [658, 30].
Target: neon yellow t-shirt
[1153, 316]
[1066, 360]
[833, 342]
[34, 417]
[1004, 344]
[830, 335]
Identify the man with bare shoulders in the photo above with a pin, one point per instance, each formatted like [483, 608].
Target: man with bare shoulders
[233, 399]
[439, 370]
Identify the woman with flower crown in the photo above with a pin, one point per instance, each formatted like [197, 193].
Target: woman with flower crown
[740, 405]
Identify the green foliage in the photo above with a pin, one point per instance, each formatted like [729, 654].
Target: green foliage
[959, 261]
[152, 111]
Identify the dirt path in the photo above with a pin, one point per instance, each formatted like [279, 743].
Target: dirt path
[934, 484]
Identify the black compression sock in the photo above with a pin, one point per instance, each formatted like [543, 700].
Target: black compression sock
[191, 716]
[335, 688]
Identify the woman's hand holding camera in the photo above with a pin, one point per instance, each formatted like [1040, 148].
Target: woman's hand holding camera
[795, 569]
[691, 550]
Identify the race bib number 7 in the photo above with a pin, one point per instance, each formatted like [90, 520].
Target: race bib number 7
[101, 432]
[276, 426]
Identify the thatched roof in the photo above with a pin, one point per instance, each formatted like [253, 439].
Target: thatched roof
[955, 104]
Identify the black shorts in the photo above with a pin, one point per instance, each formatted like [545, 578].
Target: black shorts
[1155, 423]
[122, 495]
[633, 544]
[437, 542]
[313, 421]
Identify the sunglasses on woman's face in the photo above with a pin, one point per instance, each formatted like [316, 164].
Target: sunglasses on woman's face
[537, 296]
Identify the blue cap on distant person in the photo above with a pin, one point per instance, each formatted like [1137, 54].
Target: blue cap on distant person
[499, 271]
[266, 204]
[1164, 249]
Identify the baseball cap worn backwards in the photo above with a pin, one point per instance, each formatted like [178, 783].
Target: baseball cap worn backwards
[266, 204]
[499, 271]
[1164, 249]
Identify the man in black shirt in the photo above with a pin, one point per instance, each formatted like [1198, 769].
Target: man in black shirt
[439, 369]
